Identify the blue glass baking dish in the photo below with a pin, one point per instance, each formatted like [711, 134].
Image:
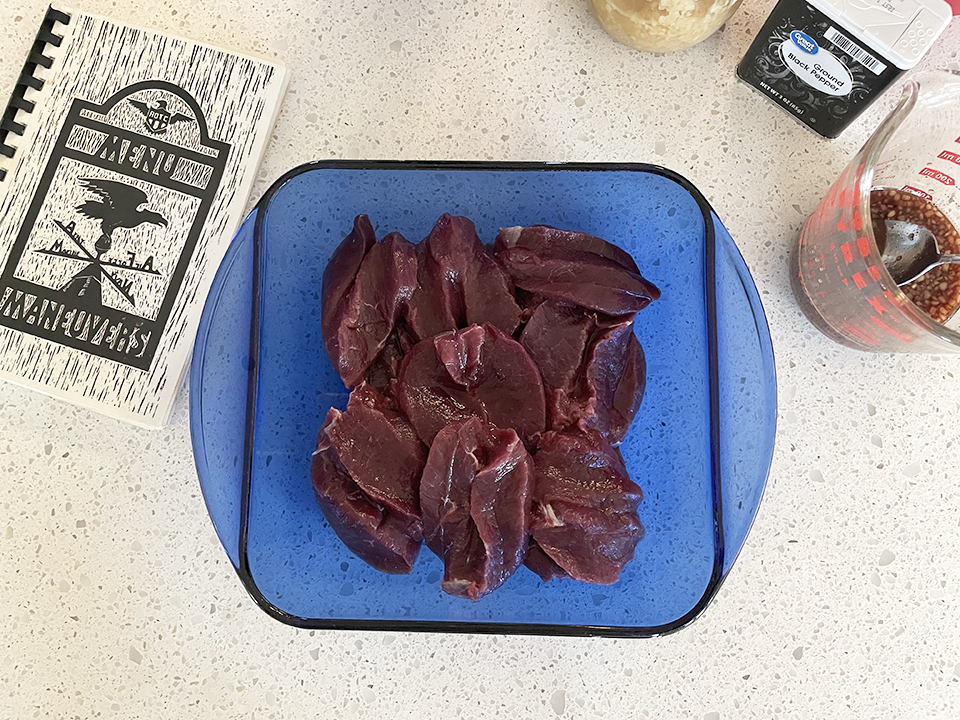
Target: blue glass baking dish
[261, 384]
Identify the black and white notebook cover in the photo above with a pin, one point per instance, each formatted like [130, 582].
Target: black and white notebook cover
[127, 160]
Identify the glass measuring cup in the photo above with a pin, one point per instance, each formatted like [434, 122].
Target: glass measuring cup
[836, 272]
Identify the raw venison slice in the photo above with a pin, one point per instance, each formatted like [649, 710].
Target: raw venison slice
[373, 533]
[437, 304]
[557, 337]
[542, 564]
[428, 395]
[614, 379]
[460, 353]
[592, 366]
[381, 452]
[500, 502]
[633, 384]
[445, 499]
[368, 313]
[338, 278]
[585, 506]
[475, 494]
[506, 382]
[460, 283]
[488, 294]
[478, 371]
[544, 237]
[579, 278]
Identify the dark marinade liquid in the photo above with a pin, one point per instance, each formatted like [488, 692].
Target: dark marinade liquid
[936, 293]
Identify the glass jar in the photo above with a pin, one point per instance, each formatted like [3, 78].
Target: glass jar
[662, 25]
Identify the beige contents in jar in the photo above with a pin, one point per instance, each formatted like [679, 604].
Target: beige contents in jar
[662, 25]
[936, 293]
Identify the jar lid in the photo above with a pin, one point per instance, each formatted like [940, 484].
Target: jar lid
[900, 30]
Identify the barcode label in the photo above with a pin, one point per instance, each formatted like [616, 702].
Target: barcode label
[855, 51]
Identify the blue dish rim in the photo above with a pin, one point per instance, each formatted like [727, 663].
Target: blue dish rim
[502, 628]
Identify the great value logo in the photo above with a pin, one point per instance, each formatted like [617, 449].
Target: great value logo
[804, 42]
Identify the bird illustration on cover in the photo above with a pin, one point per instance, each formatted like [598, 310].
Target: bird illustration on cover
[116, 205]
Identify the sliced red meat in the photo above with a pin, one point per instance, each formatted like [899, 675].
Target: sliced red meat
[488, 294]
[428, 395]
[614, 378]
[500, 503]
[477, 397]
[477, 371]
[475, 494]
[544, 237]
[445, 489]
[381, 452]
[592, 366]
[579, 278]
[528, 303]
[508, 384]
[372, 533]
[557, 337]
[589, 544]
[542, 564]
[338, 278]
[437, 303]
[632, 385]
[460, 354]
[368, 313]
[461, 283]
[585, 506]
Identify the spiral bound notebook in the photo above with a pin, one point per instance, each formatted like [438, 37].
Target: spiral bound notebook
[126, 160]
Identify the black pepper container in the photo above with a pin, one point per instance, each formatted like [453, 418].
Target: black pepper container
[825, 62]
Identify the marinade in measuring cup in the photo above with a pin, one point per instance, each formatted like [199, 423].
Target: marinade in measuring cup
[937, 292]
[909, 167]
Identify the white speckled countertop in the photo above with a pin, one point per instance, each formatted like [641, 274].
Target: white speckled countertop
[117, 601]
